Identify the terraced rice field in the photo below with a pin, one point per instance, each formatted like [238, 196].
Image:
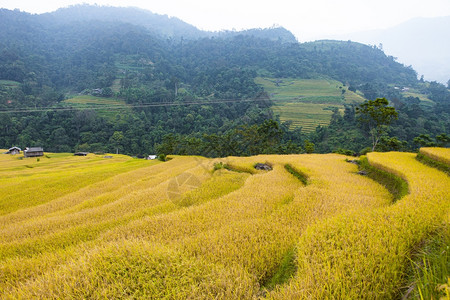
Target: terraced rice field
[304, 115]
[424, 100]
[308, 103]
[107, 107]
[96, 227]
[438, 154]
[9, 84]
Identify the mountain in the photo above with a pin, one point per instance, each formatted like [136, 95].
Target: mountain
[74, 47]
[421, 42]
[161, 25]
[183, 95]
[273, 34]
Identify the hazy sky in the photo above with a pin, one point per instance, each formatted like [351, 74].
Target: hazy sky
[308, 20]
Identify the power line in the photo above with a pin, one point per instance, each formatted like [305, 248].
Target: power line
[103, 107]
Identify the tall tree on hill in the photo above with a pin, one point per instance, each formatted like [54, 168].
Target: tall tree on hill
[376, 115]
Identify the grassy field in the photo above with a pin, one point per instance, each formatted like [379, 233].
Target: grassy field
[307, 102]
[96, 227]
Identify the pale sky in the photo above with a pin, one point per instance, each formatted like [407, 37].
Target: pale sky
[308, 20]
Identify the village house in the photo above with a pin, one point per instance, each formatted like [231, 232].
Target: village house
[14, 150]
[33, 152]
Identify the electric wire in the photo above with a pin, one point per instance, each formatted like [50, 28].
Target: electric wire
[128, 106]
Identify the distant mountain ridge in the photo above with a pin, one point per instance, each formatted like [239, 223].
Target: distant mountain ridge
[421, 42]
[161, 25]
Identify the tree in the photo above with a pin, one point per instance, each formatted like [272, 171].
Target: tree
[376, 115]
[116, 139]
[442, 139]
[269, 134]
[309, 147]
[424, 140]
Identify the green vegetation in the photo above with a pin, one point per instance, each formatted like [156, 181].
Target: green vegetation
[229, 167]
[431, 267]
[285, 271]
[376, 115]
[300, 175]
[433, 163]
[239, 169]
[434, 157]
[396, 185]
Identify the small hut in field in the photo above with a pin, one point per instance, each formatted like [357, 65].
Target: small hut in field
[81, 153]
[33, 152]
[14, 150]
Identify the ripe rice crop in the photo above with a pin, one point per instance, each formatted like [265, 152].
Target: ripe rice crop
[439, 154]
[366, 253]
[181, 229]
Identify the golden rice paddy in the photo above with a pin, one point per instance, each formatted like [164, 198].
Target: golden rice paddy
[96, 227]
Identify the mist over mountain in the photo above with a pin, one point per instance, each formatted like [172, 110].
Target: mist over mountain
[423, 43]
[161, 25]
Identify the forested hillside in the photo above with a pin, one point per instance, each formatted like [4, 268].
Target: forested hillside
[193, 95]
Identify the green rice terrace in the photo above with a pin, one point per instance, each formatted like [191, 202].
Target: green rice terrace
[9, 83]
[106, 107]
[307, 102]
